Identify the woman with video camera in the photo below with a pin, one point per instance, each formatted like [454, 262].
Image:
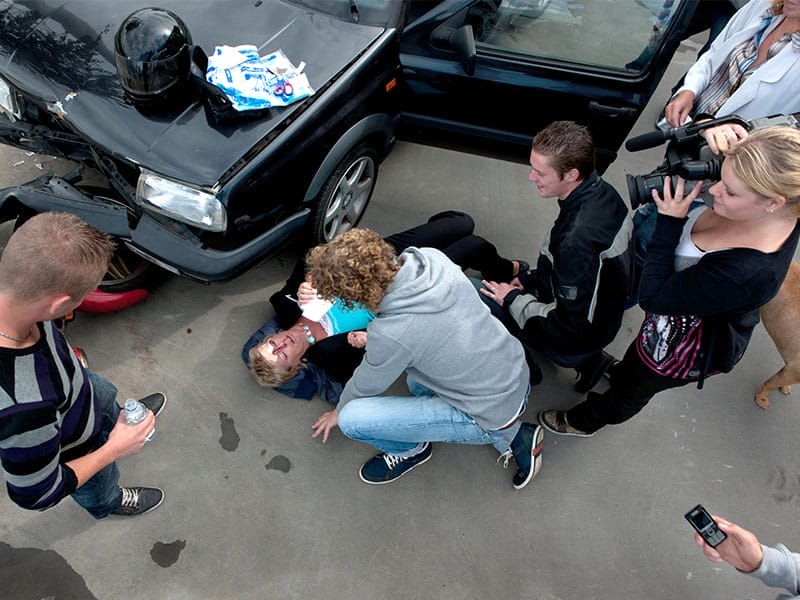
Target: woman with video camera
[706, 274]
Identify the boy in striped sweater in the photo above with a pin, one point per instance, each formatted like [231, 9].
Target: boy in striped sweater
[60, 425]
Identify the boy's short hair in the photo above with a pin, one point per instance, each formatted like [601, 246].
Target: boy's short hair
[356, 266]
[54, 253]
[568, 146]
[267, 374]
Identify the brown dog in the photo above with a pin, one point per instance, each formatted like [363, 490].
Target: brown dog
[781, 317]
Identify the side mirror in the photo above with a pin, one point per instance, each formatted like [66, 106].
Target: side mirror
[461, 41]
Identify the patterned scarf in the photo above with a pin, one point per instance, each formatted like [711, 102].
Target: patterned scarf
[740, 66]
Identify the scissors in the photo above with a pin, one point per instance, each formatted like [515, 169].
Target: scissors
[284, 89]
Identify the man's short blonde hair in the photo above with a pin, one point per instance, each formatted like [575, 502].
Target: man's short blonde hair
[356, 266]
[268, 374]
[52, 254]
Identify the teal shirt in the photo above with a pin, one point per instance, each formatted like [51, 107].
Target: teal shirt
[343, 319]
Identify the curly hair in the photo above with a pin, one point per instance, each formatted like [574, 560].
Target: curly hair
[357, 266]
[267, 374]
[768, 161]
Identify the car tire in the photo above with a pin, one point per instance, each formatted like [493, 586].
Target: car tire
[344, 197]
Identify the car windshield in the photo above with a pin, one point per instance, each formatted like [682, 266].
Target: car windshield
[368, 12]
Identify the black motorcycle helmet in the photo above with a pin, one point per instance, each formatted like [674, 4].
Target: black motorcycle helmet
[153, 55]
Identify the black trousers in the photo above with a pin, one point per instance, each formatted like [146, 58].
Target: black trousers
[632, 387]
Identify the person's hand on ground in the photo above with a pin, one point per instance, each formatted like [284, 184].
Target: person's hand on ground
[324, 424]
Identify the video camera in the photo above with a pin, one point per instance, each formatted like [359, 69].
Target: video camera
[687, 154]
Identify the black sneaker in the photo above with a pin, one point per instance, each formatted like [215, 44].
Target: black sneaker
[527, 450]
[155, 402]
[385, 468]
[590, 374]
[138, 500]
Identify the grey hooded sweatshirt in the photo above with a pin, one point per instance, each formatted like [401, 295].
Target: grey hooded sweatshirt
[433, 325]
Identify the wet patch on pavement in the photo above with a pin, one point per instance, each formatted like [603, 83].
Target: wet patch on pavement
[279, 463]
[166, 555]
[230, 438]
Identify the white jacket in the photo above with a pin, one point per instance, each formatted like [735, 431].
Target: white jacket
[773, 88]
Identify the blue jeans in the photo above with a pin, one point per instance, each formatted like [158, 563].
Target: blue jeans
[101, 495]
[400, 424]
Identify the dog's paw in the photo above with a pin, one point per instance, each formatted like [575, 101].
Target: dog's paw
[786, 390]
[762, 401]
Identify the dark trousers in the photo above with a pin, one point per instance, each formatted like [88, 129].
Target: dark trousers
[449, 231]
[632, 386]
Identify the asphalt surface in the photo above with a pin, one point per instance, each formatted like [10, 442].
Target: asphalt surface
[256, 509]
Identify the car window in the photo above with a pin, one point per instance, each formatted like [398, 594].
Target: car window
[616, 34]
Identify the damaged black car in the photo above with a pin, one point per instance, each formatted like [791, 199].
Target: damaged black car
[205, 189]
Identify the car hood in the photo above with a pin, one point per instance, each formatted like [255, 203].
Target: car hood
[63, 52]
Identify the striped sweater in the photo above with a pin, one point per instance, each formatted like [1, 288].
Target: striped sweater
[48, 416]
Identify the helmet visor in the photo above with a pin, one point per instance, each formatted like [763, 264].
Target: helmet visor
[145, 78]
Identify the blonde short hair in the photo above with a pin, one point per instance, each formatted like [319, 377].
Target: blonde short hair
[54, 253]
[357, 267]
[267, 374]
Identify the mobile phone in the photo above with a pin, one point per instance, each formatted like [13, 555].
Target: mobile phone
[707, 527]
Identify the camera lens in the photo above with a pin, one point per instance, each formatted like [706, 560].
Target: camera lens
[640, 187]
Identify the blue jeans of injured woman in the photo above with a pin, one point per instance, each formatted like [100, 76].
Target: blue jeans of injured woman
[400, 424]
[101, 494]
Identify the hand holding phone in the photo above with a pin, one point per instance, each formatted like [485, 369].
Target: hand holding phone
[706, 526]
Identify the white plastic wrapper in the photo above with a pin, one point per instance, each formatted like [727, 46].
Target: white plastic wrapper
[254, 82]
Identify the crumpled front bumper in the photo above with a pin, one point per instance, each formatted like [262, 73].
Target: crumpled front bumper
[173, 248]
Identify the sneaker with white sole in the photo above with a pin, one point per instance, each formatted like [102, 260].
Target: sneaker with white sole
[526, 448]
[385, 468]
[139, 500]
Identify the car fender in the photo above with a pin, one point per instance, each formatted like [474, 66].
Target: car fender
[379, 123]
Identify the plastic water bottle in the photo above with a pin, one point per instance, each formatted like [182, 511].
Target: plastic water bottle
[135, 412]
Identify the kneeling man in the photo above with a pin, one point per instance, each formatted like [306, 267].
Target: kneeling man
[467, 375]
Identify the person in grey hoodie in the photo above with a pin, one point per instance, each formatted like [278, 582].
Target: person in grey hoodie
[775, 566]
[467, 375]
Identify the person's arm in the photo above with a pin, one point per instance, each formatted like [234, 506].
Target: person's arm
[775, 566]
[382, 364]
[384, 361]
[23, 453]
[123, 440]
[715, 284]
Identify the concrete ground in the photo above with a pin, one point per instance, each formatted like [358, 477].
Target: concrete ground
[256, 509]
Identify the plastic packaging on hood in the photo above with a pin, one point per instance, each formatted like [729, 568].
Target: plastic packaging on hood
[254, 82]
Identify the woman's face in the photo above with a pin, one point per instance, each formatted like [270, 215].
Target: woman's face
[735, 200]
[284, 348]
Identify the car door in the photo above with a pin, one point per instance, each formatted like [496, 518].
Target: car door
[486, 75]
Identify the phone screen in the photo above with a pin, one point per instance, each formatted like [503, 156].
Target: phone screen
[705, 526]
[700, 519]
